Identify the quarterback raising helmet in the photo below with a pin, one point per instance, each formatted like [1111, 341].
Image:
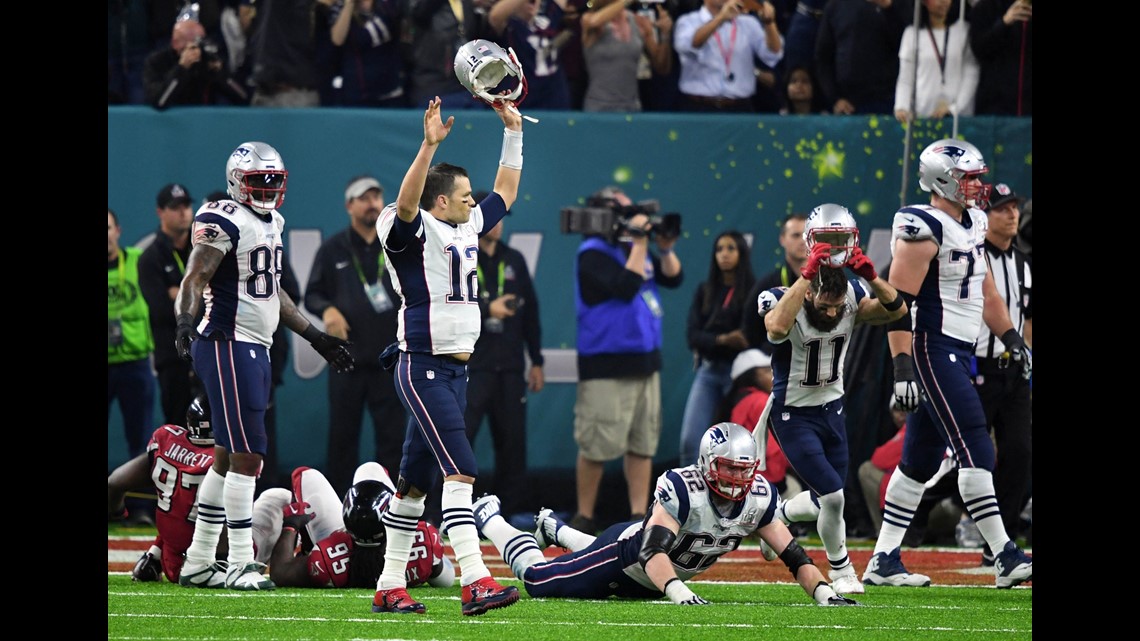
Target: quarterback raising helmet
[490, 73]
[256, 176]
[946, 165]
[728, 459]
[832, 224]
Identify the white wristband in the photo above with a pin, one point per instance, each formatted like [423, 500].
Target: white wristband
[511, 156]
[677, 591]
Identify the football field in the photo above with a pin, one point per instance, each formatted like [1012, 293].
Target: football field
[750, 598]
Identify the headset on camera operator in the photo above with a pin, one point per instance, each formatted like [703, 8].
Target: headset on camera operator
[190, 72]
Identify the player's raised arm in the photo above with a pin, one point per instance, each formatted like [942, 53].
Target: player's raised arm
[435, 130]
[510, 159]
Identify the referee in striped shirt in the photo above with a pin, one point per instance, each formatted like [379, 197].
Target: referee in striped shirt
[1006, 396]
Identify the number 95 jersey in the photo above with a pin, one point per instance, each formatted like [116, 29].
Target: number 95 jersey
[705, 534]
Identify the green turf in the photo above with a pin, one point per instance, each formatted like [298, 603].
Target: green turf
[158, 611]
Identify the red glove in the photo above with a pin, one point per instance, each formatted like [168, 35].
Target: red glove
[820, 253]
[295, 516]
[861, 265]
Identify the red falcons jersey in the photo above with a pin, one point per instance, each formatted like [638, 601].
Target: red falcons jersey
[330, 558]
[177, 468]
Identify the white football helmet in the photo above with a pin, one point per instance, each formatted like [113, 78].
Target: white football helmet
[832, 224]
[728, 459]
[490, 73]
[944, 164]
[256, 176]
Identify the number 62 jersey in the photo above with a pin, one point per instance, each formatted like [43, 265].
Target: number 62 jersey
[705, 533]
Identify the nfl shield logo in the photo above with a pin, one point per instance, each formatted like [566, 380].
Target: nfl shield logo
[431, 374]
[785, 416]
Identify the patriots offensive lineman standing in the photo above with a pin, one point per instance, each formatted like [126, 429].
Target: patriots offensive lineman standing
[431, 242]
[236, 266]
[699, 513]
[939, 267]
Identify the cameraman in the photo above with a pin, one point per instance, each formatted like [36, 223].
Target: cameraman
[618, 409]
[190, 72]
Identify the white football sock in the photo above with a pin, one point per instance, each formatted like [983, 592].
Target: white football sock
[459, 522]
[903, 496]
[238, 498]
[211, 517]
[977, 488]
[833, 529]
[400, 521]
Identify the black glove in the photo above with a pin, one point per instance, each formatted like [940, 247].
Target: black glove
[841, 600]
[295, 516]
[907, 393]
[1016, 352]
[331, 348]
[183, 336]
[147, 568]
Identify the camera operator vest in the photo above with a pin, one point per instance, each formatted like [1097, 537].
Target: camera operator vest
[616, 326]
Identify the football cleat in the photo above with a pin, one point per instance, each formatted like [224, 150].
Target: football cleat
[486, 594]
[396, 600]
[248, 577]
[1012, 567]
[547, 525]
[845, 581]
[210, 576]
[483, 509]
[886, 568]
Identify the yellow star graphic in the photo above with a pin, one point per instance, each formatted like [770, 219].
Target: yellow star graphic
[829, 161]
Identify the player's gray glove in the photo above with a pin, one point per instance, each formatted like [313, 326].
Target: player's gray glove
[147, 568]
[680, 594]
[1016, 352]
[907, 393]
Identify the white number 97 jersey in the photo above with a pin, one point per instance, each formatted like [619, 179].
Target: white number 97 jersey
[705, 534]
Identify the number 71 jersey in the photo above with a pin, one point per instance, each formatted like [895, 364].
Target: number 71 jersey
[950, 299]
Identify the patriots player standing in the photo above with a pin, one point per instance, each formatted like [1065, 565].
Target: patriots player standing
[699, 513]
[939, 267]
[431, 245]
[810, 324]
[235, 266]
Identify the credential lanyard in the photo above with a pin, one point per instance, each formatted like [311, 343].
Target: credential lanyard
[939, 54]
[360, 270]
[727, 55]
[482, 285]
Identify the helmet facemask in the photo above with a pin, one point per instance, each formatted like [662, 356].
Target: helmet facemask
[834, 225]
[489, 73]
[728, 460]
[731, 479]
[262, 190]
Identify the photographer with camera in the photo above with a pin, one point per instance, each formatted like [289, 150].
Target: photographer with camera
[618, 409]
[190, 72]
[497, 377]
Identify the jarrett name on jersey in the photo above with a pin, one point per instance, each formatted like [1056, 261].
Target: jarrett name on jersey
[961, 269]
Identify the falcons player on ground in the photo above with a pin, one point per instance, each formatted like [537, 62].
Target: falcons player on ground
[175, 461]
[349, 539]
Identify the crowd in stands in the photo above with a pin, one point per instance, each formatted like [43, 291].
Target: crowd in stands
[770, 56]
